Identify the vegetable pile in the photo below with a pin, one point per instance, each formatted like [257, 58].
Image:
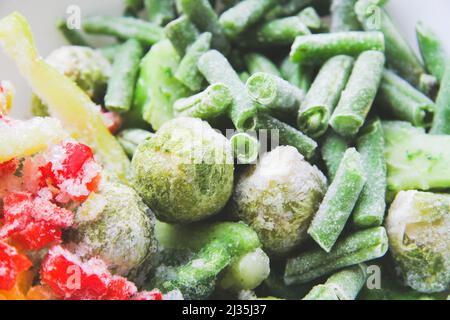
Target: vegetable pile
[228, 149]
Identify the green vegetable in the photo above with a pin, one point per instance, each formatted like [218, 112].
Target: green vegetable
[185, 172]
[370, 208]
[245, 147]
[116, 226]
[110, 51]
[359, 94]
[288, 8]
[205, 18]
[343, 16]
[323, 96]
[441, 122]
[417, 227]
[310, 18]
[404, 101]
[278, 197]
[298, 75]
[356, 248]
[160, 12]
[124, 28]
[216, 68]
[121, 85]
[133, 6]
[209, 104]
[73, 36]
[317, 48]
[339, 201]
[274, 94]
[333, 149]
[243, 15]
[343, 285]
[182, 33]
[415, 160]
[187, 71]
[130, 139]
[287, 135]
[258, 63]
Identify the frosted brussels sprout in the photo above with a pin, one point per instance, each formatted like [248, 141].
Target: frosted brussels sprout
[418, 226]
[117, 226]
[87, 67]
[185, 172]
[278, 197]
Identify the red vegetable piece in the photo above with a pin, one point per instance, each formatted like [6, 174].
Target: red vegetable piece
[120, 288]
[148, 295]
[8, 167]
[11, 264]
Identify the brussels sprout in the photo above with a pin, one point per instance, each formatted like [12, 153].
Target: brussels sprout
[117, 226]
[87, 67]
[185, 172]
[278, 197]
[418, 227]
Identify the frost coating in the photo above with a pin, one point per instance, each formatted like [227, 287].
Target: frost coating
[278, 198]
[418, 227]
[88, 68]
[184, 173]
[118, 227]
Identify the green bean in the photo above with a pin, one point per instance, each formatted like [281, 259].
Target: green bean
[244, 76]
[356, 248]
[343, 285]
[243, 15]
[298, 75]
[323, 96]
[288, 8]
[124, 28]
[258, 63]
[404, 101]
[317, 48]
[182, 33]
[187, 71]
[73, 36]
[130, 139]
[359, 94]
[245, 147]
[431, 49]
[333, 150]
[119, 95]
[343, 16]
[339, 201]
[205, 18]
[209, 104]
[399, 54]
[310, 18]
[110, 52]
[133, 6]
[160, 12]
[274, 94]
[288, 135]
[441, 123]
[370, 208]
[216, 68]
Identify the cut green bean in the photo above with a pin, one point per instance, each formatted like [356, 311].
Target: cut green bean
[399, 54]
[124, 28]
[73, 36]
[160, 12]
[343, 285]
[356, 248]
[119, 95]
[441, 123]
[310, 18]
[288, 135]
[181, 33]
[133, 6]
[243, 15]
[244, 76]
[209, 104]
[359, 94]
[404, 101]
[258, 63]
[274, 94]
[245, 147]
[333, 150]
[130, 139]
[187, 71]
[339, 201]
[288, 8]
[205, 18]
[323, 96]
[110, 52]
[298, 75]
[432, 50]
[317, 48]
[216, 68]
[343, 16]
[371, 205]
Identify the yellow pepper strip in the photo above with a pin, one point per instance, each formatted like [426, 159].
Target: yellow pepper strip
[66, 101]
[6, 96]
